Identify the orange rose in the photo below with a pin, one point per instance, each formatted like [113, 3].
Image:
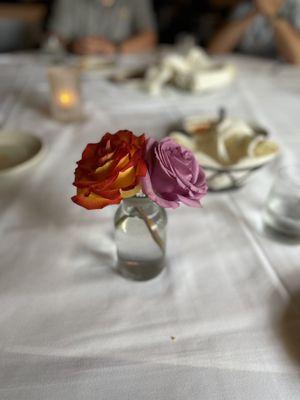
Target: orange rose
[110, 170]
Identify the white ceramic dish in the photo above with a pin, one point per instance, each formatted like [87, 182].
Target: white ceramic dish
[18, 152]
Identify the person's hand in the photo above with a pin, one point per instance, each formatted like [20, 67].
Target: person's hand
[93, 45]
[269, 8]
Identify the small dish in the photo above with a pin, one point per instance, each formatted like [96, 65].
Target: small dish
[18, 152]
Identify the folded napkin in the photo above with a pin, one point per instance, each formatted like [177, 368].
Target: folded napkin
[205, 80]
[193, 72]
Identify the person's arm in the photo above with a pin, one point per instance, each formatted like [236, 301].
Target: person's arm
[227, 39]
[144, 28]
[287, 37]
[93, 45]
[139, 43]
[62, 26]
[288, 41]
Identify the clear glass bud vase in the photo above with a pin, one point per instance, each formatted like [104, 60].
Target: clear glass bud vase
[140, 232]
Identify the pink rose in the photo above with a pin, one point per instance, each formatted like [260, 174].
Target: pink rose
[174, 175]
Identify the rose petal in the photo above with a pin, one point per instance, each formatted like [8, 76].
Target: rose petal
[130, 193]
[93, 202]
[125, 178]
[149, 191]
[189, 202]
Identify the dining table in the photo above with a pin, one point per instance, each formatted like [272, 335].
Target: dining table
[221, 322]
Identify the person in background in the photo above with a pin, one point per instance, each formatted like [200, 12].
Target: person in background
[104, 26]
[262, 27]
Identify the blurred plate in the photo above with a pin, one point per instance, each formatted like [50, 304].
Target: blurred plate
[127, 75]
[18, 151]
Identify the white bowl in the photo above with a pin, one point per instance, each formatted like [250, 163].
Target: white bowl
[18, 152]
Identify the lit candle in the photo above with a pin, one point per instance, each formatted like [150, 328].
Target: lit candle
[66, 102]
[66, 99]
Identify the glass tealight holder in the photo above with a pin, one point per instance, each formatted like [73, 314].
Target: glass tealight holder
[66, 101]
[282, 211]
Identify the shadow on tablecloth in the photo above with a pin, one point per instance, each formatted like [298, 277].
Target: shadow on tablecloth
[289, 327]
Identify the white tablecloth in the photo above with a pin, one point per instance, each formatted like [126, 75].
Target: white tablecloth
[71, 328]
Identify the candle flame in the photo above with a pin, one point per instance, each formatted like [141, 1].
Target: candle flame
[66, 98]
